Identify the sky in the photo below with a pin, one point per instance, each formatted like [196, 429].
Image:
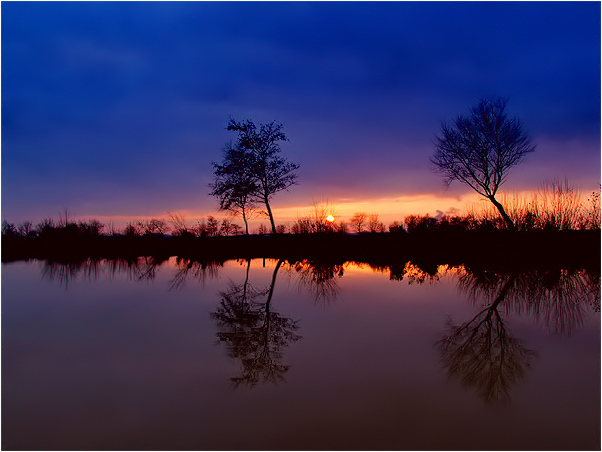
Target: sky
[115, 110]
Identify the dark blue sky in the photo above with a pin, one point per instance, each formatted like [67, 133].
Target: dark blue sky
[118, 108]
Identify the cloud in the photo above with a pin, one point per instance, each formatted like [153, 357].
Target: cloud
[131, 99]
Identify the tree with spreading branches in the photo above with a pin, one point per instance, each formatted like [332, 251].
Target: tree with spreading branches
[479, 149]
[233, 185]
[253, 167]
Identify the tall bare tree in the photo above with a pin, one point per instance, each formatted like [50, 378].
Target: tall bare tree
[480, 148]
[259, 165]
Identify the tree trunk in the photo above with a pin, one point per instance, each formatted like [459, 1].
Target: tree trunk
[500, 208]
[267, 205]
[244, 293]
[273, 284]
[266, 323]
[503, 292]
[244, 218]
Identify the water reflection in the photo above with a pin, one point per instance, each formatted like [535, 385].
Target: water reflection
[189, 269]
[66, 273]
[135, 269]
[480, 352]
[558, 298]
[483, 353]
[254, 332]
[319, 279]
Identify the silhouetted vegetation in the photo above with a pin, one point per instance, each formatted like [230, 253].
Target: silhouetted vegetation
[441, 242]
[251, 170]
[316, 222]
[482, 352]
[357, 221]
[319, 278]
[479, 150]
[555, 223]
[234, 186]
[254, 332]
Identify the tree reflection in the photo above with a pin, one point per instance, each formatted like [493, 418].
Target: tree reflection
[143, 268]
[559, 299]
[482, 353]
[253, 332]
[319, 279]
[66, 273]
[415, 274]
[190, 269]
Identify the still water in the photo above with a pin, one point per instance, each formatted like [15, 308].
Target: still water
[271, 355]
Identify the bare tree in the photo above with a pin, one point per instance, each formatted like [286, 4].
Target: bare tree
[258, 164]
[357, 220]
[374, 225]
[479, 149]
[153, 226]
[179, 224]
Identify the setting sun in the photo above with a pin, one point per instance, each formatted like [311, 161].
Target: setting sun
[330, 218]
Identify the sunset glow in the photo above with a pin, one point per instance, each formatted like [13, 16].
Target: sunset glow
[368, 216]
[375, 134]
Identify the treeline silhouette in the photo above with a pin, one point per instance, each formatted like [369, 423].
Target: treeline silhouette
[555, 206]
[555, 224]
[428, 248]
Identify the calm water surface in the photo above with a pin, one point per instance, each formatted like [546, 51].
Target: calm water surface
[269, 355]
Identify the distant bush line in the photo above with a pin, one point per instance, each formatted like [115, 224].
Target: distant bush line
[543, 214]
[548, 218]
[503, 248]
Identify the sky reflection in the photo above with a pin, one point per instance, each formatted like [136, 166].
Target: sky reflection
[121, 357]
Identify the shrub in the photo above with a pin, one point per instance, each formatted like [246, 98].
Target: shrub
[229, 228]
[262, 229]
[212, 227]
[374, 225]
[132, 230]
[92, 228]
[342, 227]
[396, 227]
[179, 227]
[357, 221]
[419, 222]
[9, 229]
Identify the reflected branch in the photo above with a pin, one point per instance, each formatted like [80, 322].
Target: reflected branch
[559, 299]
[189, 269]
[253, 332]
[66, 273]
[319, 279]
[483, 354]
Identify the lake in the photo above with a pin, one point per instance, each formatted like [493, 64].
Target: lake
[267, 354]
